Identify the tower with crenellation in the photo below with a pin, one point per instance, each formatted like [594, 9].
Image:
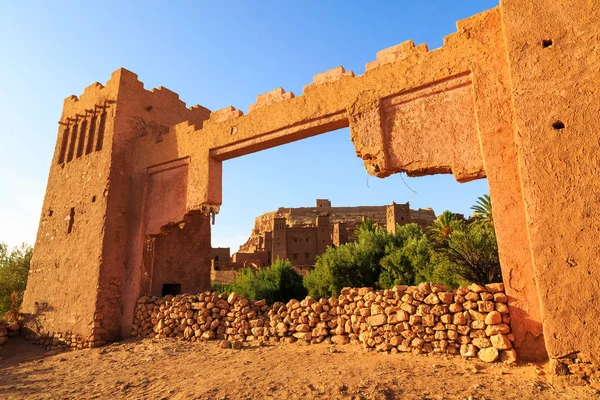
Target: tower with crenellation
[82, 279]
[397, 214]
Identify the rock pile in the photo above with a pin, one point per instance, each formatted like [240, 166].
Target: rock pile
[58, 340]
[3, 334]
[471, 321]
[7, 330]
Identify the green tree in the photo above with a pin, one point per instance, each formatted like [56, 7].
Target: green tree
[14, 268]
[443, 226]
[483, 209]
[472, 253]
[221, 287]
[351, 264]
[278, 282]
[407, 260]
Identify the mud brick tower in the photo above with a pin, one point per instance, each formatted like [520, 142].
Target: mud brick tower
[94, 220]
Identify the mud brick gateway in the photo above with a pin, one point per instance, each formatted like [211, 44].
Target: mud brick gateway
[513, 96]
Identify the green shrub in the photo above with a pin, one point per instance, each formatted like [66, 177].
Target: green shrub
[351, 264]
[407, 262]
[452, 252]
[279, 282]
[221, 287]
[472, 254]
[14, 268]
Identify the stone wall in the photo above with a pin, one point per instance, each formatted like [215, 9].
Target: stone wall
[222, 273]
[469, 321]
[7, 330]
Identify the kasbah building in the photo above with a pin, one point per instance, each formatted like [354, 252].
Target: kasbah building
[301, 234]
[136, 177]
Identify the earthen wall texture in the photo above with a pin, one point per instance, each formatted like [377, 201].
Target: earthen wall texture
[79, 284]
[180, 255]
[552, 51]
[220, 253]
[65, 268]
[472, 322]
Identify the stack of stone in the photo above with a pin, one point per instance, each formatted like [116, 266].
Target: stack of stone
[49, 340]
[3, 333]
[7, 330]
[471, 321]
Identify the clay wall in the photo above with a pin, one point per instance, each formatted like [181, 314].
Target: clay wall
[179, 256]
[223, 273]
[552, 53]
[220, 254]
[305, 217]
[397, 214]
[279, 242]
[324, 238]
[155, 194]
[323, 203]
[66, 265]
[423, 217]
[339, 234]
[246, 259]
[302, 245]
[78, 278]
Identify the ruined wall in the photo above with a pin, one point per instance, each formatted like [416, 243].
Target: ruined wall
[324, 239]
[179, 256]
[472, 322]
[222, 273]
[279, 242]
[151, 195]
[306, 216]
[339, 234]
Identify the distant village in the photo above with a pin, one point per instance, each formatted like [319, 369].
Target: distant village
[301, 234]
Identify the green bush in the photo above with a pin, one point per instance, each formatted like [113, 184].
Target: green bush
[351, 264]
[14, 267]
[221, 287]
[452, 252]
[408, 262]
[279, 282]
[472, 254]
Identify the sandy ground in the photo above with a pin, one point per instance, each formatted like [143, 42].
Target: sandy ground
[169, 369]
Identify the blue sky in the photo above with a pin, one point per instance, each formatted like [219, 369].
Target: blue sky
[216, 54]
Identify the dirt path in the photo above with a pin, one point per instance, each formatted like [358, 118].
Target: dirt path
[166, 369]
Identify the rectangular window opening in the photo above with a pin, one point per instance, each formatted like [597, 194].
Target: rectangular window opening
[90, 142]
[63, 146]
[72, 143]
[82, 132]
[71, 220]
[101, 128]
[171, 289]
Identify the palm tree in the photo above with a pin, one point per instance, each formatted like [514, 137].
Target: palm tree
[366, 225]
[444, 225]
[483, 209]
